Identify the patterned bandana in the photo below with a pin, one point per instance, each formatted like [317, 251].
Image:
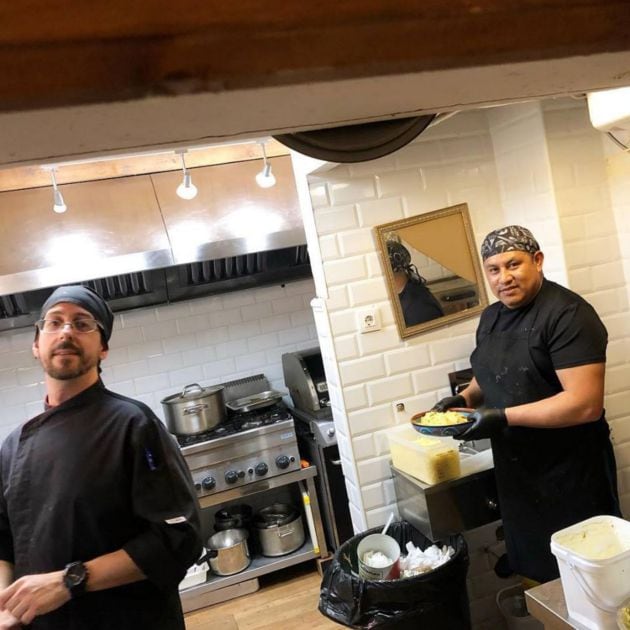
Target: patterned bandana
[399, 256]
[512, 238]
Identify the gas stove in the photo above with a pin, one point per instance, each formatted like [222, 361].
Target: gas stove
[238, 423]
[247, 447]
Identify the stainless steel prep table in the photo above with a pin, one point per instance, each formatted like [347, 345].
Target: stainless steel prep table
[546, 602]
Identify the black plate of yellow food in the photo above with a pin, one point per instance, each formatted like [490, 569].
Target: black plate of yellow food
[443, 423]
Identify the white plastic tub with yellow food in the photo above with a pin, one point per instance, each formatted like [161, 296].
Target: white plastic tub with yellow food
[430, 459]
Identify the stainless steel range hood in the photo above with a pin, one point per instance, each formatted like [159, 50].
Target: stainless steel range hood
[137, 243]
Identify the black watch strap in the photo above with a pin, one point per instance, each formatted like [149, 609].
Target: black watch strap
[75, 578]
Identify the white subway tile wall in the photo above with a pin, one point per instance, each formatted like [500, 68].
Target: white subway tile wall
[597, 194]
[511, 165]
[155, 352]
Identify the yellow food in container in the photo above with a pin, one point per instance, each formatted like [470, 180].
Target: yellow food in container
[442, 418]
[429, 459]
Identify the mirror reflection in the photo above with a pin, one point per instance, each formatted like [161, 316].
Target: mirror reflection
[432, 270]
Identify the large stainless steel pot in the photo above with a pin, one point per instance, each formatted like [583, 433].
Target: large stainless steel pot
[195, 410]
[280, 529]
[228, 552]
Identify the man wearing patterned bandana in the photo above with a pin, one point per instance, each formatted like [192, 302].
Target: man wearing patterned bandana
[416, 300]
[538, 390]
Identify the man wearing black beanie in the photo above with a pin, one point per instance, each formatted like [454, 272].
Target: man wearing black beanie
[99, 519]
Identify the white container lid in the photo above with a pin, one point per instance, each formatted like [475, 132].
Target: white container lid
[599, 540]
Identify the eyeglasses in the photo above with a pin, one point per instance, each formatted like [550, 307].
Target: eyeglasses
[78, 325]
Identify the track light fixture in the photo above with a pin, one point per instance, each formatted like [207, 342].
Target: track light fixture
[186, 190]
[59, 205]
[265, 179]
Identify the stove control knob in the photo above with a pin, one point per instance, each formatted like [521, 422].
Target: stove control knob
[231, 476]
[208, 483]
[331, 432]
[198, 487]
[261, 469]
[282, 461]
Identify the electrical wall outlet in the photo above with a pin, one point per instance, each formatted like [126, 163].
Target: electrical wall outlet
[369, 319]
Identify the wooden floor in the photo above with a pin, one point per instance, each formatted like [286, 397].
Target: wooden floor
[286, 599]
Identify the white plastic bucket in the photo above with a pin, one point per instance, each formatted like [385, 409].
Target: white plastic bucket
[594, 561]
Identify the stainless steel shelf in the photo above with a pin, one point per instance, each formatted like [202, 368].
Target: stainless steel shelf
[212, 589]
[260, 565]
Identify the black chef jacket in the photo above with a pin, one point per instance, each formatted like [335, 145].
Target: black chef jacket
[95, 474]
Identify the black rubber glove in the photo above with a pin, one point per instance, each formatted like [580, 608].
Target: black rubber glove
[487, 422]
[449, 402]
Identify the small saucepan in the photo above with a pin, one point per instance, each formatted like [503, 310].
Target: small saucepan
[195, 410]
[227, 552]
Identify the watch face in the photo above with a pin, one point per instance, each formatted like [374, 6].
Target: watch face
[75, 574]
[75, 577]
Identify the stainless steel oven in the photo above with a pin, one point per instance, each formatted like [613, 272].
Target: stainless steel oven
[251, 458]
[317, 440]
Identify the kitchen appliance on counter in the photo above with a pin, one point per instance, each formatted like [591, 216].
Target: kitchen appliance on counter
[305, 378]
[252, 453]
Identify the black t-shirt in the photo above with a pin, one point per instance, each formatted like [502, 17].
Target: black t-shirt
[418, 304]
[567, 331]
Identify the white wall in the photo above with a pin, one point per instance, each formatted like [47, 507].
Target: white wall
[592, 181]
[156, 351]
[510, 165]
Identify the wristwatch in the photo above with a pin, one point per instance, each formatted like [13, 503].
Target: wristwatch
[75, 578]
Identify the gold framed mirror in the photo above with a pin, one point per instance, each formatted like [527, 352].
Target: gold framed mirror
[432, 270]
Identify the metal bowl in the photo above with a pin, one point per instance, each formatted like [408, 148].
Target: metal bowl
[446, 430]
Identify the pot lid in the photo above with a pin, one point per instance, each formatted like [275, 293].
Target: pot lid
[275, 515]
[235, 511]
[194, 391]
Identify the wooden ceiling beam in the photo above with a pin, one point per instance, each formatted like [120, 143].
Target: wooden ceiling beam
[55, 54]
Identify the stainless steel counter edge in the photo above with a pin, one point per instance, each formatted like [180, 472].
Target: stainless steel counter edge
[547, 604]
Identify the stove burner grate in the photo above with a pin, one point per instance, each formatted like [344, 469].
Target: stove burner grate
[238, 422]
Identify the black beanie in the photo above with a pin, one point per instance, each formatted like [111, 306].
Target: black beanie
[89, 300]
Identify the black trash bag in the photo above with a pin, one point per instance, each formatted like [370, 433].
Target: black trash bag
[437, 600]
